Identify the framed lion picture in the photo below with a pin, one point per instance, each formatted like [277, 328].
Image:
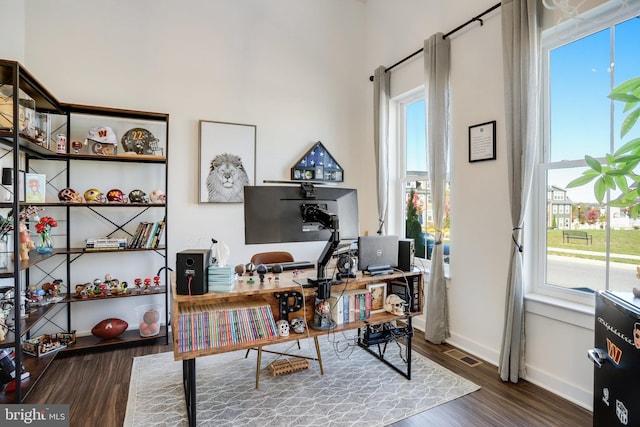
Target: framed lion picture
[227, 161]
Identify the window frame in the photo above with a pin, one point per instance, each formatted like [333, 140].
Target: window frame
[597, 19]
[398, 155]
[398, 168]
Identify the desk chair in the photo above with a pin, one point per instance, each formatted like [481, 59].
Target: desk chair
[271, 258]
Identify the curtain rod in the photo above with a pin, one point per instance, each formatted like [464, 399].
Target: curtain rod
[458, 28]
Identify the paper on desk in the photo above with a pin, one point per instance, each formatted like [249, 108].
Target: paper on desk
[222, 254]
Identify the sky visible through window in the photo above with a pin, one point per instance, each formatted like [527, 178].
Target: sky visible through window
[580, 80]
[416, 137]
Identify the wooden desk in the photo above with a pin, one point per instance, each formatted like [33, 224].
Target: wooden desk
[287, 282]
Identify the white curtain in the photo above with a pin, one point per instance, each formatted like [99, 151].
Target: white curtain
[381, 142]
[521, 87]
[436, 70]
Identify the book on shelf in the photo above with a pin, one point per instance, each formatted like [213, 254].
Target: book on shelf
[350, 306]
[224, 324]
[148, 235]
[105, 243]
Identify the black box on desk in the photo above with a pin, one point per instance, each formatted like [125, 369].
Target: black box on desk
[409, 291]
[191, 271]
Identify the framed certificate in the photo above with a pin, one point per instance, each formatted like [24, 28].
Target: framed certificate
[482, 142]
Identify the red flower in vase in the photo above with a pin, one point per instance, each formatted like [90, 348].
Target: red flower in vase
[45, 224]
[43, 228]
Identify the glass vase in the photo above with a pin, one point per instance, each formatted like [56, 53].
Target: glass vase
[46, 243]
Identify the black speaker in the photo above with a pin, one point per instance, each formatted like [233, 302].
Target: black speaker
[406, 253]
[191, 271]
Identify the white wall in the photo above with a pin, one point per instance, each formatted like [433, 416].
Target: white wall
[299, 70]
[480, 219]
[12, 30]
[292, 68]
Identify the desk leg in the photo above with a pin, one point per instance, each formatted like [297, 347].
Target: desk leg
[258, 367]
[408, 338]
[315, 339]
[189, 383]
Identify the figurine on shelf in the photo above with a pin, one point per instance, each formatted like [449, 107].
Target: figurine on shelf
[156, 283]
[55, 287]
[97, 287]
[26, 243]
[114, 286]
[147, 283]
[138, 282]
[123, 287]
[107, 281]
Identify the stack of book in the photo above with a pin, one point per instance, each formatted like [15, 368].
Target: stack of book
[221, 279]
[211, 326]
[148, 235]
[350, 306]
[105, 244]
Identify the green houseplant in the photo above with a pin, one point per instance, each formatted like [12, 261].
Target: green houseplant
[618, 171]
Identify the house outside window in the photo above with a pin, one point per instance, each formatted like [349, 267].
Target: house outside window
[582, 61]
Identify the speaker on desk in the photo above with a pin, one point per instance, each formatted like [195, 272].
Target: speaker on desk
[191, 271]
[406, 253]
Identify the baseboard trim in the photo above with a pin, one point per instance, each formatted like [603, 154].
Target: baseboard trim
[580, 397]
[576, 395]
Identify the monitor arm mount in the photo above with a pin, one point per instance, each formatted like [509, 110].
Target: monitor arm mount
[315, 213]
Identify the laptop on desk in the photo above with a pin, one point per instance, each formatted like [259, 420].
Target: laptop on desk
[377, 254]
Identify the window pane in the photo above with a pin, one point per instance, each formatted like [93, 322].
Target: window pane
[417, 214]
[588, 246]
[416, 140]
[627, 66]
[579, 107]
[576, 235]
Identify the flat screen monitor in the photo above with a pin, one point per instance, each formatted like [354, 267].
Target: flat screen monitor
[274, 213]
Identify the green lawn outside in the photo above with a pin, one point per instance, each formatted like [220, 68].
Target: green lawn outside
[622, 242]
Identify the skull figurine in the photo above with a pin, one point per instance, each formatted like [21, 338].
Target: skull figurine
[298, 324]
[283, 328]
[394, 304]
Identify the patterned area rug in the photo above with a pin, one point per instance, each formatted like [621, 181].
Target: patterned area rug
[355, 390]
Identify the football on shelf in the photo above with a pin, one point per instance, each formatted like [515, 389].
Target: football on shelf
[108, 329]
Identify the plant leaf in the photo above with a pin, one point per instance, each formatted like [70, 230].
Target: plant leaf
[581, 180]
[599, 188]
[623, 97]
[629, 122]
[593, 163]
[629, 105]
[621, 180]
[632, 145]
[626, 86]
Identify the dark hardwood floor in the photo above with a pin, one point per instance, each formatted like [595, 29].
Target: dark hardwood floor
[96, 385]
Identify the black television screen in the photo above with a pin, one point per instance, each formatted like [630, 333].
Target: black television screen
[274, 213]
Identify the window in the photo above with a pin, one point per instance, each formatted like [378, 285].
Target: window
[414, 201]
[582, 61]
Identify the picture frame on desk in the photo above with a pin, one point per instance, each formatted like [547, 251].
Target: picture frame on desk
[378, 296]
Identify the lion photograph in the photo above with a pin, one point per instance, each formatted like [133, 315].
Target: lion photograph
[226, 179]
